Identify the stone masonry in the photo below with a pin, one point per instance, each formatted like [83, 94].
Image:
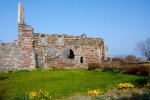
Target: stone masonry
[33, 50]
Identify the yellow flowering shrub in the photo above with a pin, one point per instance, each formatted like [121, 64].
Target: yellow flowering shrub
[95, 92]
[125, 85]
[39, 95]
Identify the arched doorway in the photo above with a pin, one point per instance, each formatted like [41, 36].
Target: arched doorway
[36, 60]
[67, 54]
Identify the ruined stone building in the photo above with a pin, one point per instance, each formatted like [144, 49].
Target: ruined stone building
[33, 50]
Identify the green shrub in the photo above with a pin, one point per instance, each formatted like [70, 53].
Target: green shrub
[11, 71]
[141, 82]
[107, 69]
[19, 71]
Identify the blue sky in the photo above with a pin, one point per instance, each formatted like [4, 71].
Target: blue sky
[121, 23]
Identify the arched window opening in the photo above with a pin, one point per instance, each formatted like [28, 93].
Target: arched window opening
[67, 54]
[71, 56]
[81, 60]
[42, 39]
[59, 40]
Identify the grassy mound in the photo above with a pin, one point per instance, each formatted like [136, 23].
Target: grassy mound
[61, 83]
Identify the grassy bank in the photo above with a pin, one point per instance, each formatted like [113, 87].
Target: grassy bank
[61, 83]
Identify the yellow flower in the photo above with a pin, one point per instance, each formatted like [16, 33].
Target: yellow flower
[32, 95]
[125, 85]
[39, 94]
[95, 92]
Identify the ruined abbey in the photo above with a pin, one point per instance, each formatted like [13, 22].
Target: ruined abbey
[33, 50]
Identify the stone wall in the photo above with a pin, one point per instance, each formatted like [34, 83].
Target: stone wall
[55, 57]
[41, 39]
[46, 50]
[25, 42]
[10, 57]
[33, 50]
[53, 50]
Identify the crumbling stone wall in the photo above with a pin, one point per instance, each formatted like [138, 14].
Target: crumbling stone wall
[53, 50]
[10, 57]
[25, 40]
[33, 50]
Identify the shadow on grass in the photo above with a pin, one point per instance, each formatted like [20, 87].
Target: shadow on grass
[3, 77]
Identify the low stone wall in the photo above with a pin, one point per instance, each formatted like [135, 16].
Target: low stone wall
[10, 57]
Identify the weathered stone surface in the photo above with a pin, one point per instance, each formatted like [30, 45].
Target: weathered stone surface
[10, 57]
[52, 53]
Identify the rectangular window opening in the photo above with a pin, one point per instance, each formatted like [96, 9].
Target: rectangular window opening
[81, 60]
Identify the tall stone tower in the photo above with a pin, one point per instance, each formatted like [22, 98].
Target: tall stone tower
[25, 39]
[20, 13]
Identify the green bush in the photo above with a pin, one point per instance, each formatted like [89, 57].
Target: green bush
[19, 71]
[107, 69]
[141, 82]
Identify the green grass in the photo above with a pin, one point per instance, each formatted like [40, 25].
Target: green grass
[61, 83]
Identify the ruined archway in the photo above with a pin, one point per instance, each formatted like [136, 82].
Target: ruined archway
[67, 54]
[52, 53]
